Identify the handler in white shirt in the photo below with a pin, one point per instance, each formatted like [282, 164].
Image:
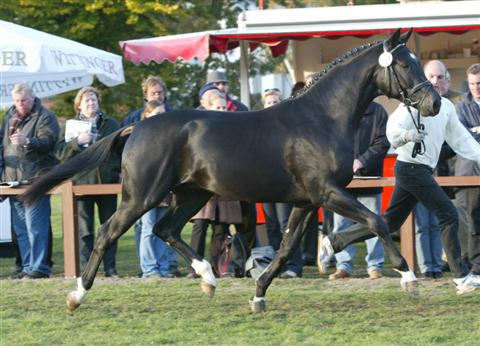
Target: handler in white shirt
[445, 126]
[414, 180]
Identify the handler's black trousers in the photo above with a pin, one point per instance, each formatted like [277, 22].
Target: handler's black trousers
[107, 205]
[413, 183]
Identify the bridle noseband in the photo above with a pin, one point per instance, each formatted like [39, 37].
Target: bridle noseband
[385, 60]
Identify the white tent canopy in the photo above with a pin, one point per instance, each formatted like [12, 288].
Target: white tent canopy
[50, 64]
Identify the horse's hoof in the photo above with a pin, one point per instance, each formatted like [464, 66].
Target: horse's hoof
[258, 305]
[207, 288]
[411, 287]
[72, 302]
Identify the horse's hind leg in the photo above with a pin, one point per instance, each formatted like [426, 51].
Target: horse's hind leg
[108, 233]
[341, 202]
[290, 242]
[188, 203]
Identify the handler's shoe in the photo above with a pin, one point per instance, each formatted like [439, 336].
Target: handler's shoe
[325, 251]
[375, 274]
[339, 274]
[468, 284]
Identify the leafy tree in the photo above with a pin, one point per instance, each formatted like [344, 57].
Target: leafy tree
[103, 23]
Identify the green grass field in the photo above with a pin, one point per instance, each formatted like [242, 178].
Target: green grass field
[306, 311]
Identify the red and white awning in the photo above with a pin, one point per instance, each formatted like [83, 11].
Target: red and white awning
[276, 27]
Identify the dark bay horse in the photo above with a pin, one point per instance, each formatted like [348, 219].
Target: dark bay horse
[299, 151]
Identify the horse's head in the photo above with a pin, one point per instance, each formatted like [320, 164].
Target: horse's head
[399, 75]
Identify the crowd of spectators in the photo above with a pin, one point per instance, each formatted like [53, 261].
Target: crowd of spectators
[31, 142]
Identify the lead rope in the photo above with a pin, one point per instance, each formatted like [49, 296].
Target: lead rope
[418, 148]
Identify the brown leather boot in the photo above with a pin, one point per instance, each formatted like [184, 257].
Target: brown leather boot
[375, 274]
[339, 274]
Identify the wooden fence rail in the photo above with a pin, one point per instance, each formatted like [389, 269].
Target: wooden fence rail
[70, 192]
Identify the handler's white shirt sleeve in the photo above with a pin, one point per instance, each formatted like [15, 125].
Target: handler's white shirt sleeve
[445, 126]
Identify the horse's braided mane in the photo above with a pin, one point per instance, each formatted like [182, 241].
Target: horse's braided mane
[318, 75]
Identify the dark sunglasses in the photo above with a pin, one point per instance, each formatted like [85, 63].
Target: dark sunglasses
[272, 89]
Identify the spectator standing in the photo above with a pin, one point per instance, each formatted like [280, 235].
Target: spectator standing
[153, 252]
[220, 81]
[469, 115]
[446, 167]
[153, 89]
[87, 109]
[370, 147]
[296, 88]
[249, 212]
[216, 212]
[277, 214]
[428, 241]
[27, 140]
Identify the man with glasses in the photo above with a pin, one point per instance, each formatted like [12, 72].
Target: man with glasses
[154, 89]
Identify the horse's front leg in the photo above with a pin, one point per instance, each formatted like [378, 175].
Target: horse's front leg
[108, 233]
[290, 242]
[369, 224]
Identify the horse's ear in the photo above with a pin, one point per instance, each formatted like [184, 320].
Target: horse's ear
[406, 36]
[392, 41]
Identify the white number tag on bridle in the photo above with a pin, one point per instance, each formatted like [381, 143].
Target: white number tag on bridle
[385, 59]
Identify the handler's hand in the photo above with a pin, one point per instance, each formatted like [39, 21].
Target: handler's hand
[414, 136]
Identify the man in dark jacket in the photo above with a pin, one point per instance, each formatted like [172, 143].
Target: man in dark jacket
[27, 139]
[370, 147]
[153, 88]
[469, 114]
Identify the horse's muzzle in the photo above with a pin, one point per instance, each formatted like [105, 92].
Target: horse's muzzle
[431, 104]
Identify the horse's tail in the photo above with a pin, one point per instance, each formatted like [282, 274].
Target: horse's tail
[91, 157]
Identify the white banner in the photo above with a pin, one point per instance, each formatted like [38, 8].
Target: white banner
[51, 64]
[43, 86]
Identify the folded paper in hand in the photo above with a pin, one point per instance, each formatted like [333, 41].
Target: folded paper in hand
[73, 128]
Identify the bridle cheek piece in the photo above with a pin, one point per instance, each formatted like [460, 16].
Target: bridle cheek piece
[385, 60]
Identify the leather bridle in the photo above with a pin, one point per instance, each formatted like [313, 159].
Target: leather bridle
[385, 60]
